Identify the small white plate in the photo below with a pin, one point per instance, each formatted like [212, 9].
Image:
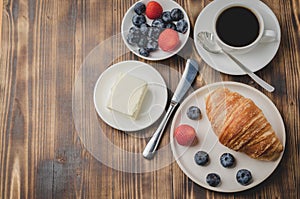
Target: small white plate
[208, 141]
[154, 102]
[255, 59]
[159, 54]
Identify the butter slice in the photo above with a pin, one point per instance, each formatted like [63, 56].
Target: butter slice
[127, 95]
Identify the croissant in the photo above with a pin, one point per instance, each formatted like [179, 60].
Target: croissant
[240, 125]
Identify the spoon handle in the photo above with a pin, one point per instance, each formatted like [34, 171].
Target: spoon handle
[257, 79]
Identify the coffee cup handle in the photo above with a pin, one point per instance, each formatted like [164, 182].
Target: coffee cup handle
[268, 36]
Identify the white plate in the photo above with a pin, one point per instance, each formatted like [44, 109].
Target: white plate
[154, 102]
[255, 59]
[159, 54]
[208, 141]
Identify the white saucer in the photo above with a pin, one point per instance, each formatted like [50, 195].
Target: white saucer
[255, 59]
[159, 54]
[208, 141]
[153, 105]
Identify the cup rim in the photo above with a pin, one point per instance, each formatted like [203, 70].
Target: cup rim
[253, 10]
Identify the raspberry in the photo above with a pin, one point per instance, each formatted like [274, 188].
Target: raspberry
[168, 40]
[153, 10]
[185, 134]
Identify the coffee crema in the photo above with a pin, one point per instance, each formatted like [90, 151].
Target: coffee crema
[237, 26]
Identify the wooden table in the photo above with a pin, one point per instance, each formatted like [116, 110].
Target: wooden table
[42, 154]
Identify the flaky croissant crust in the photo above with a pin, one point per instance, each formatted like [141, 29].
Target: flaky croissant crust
[241, 125]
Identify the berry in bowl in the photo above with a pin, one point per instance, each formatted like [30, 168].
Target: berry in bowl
[155, 30]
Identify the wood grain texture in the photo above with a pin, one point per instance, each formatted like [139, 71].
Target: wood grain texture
[1, 13]
[43, 46]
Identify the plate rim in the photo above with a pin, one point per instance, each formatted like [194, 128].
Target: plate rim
[148, 66]
[186, 35]
[214, 86]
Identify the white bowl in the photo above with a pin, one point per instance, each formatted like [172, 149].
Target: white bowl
[159, 54]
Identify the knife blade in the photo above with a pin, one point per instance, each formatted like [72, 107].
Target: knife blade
[187, 79]
[188, 76]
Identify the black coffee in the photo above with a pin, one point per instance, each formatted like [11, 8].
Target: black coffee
[237, 26]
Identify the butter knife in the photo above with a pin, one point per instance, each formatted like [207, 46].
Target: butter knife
[188, 76]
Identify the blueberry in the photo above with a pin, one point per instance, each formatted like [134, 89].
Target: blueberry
[193, 113]
[176, 14]
[159, 23]
[132, 38]
[244, 177]
[171, 26]
[138, 20]
[153, 32]
[142, 42]
[144, 28]
[227, 160]
[182, 26]
[152, 45]
[144, 52]
[139, 8]
[134, 30]
[166, 17]
[213, 179]
[201, 158]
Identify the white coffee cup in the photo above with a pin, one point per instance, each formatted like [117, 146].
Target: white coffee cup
[262, 35]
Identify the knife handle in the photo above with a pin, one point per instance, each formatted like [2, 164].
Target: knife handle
[152, 145]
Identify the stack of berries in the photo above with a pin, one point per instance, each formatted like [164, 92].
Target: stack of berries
[163, 31]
